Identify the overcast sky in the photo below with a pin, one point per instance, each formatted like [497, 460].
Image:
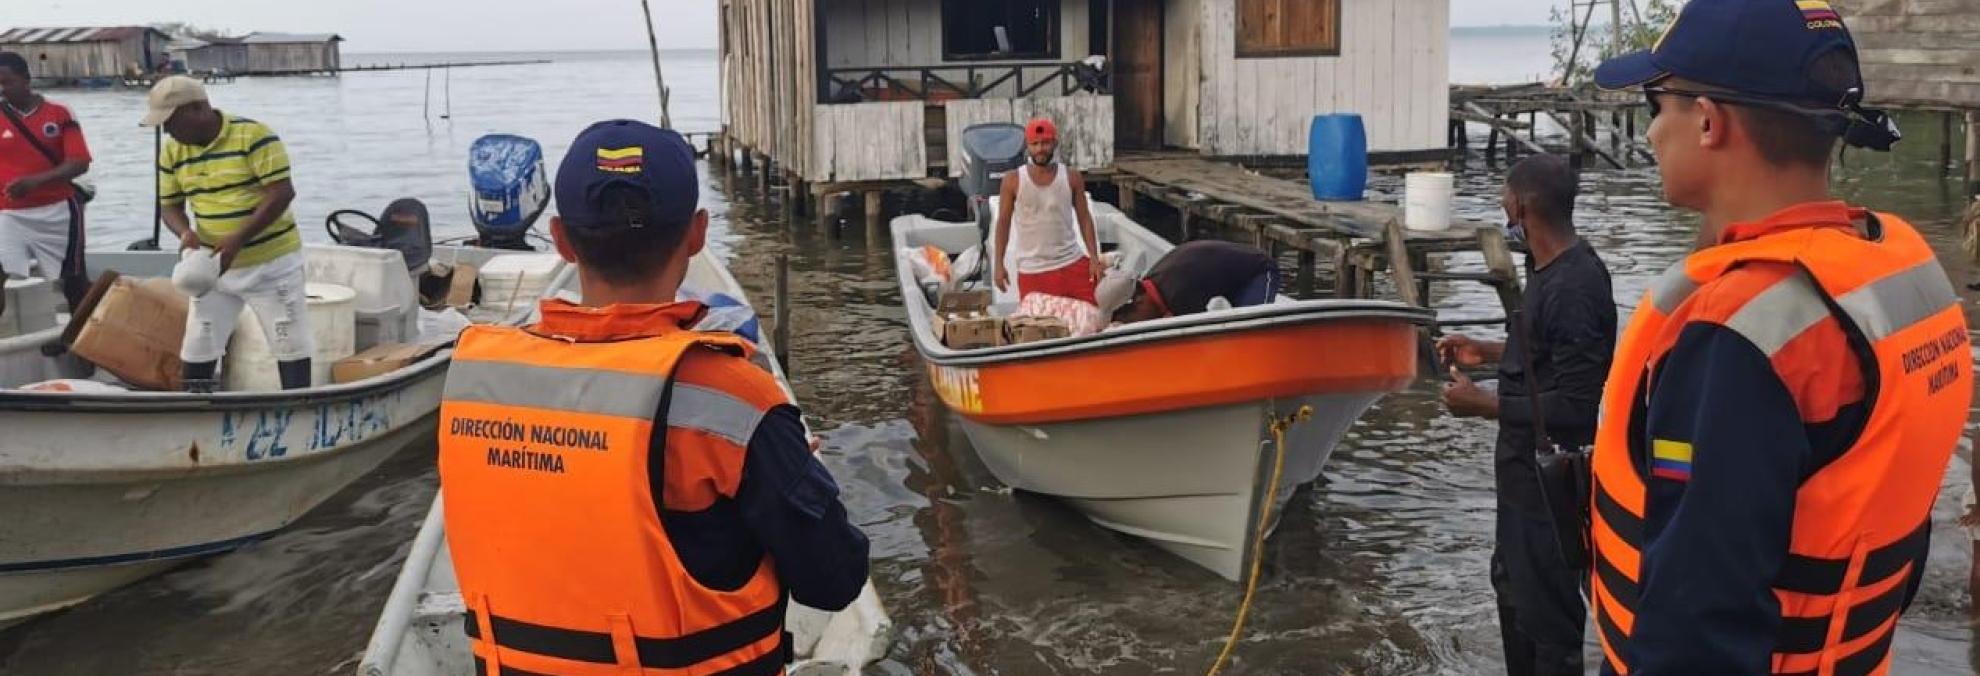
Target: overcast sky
[494, 25]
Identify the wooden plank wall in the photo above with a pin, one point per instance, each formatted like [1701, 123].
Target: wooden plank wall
[875, 33]
[1920, 53]
[1086, 125]
[769, 78]
[66, 60]
[1182, 72]
[1393, 70]
[869, 142]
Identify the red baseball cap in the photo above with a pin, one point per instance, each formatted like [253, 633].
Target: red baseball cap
[1040, 129]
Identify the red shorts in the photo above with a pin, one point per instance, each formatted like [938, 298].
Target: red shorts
[1075, 280]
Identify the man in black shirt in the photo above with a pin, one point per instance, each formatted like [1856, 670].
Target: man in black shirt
[1184, 280]
[1570, 316]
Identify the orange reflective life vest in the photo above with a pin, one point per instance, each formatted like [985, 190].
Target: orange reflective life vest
[563, 563]
[1861, 522]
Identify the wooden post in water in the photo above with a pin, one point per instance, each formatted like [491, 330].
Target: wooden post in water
[659, 79]
[1576, 149]
[1615, 133]
[874, 205]
[1972, 152]
[1492, 146]
[763, 176]
[1945, 143]
[782, 331]
[828, 211]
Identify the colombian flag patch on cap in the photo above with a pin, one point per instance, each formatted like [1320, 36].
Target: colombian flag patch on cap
[622, 160]
[1819, 14]
[1670, 460]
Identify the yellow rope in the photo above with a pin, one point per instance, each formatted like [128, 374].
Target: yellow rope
[1279, 427]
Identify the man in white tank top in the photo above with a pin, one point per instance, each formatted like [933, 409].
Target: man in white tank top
[1045, 199]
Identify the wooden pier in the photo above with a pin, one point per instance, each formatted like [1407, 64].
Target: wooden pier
[1351, 242]
[1603, 126]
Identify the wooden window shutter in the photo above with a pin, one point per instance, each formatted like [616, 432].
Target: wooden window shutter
[1278, 28]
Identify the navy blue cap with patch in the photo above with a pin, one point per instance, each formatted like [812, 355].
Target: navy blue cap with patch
[1763, 48]
[657, 162]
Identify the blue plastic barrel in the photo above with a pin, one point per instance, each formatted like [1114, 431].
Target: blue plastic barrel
[1337, 157]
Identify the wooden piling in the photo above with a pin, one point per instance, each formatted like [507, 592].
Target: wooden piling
[1303, 279]
[1492, 147]
[1615, 133]
[828, 211]
[1973, 152]
[763, 176]
[874, 204]
[782, 331]
[1946, 131]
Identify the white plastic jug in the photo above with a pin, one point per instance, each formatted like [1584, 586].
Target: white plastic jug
[250, 364]
[1427, 200]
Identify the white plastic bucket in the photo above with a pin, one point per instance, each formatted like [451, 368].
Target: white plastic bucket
[1427, 200]
[250, 365]
[386, 293]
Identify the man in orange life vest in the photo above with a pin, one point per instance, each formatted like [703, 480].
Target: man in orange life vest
[1784, 401]
[625, 494]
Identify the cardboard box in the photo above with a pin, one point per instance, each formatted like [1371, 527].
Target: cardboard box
[378, 360]
[451, 286]
[962, 302]
[1020, 330]
[969, 330]
[135, 329]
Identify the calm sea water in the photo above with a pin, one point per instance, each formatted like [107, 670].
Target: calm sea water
[1379, 569]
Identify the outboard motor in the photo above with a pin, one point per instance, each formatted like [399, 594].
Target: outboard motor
[989, 151]
[511, 188]
[404, 227]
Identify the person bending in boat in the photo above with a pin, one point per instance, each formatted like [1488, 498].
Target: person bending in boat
[1569, 315]
[1045, 203]
[614, 478]
[1186, 280]
[234, 172]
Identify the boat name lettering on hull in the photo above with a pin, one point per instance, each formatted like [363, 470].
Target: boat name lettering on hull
[266, 433]
[957, 387]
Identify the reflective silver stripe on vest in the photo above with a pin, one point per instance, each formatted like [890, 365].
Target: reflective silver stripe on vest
[1780, 313]
[575, 390]
[713, 411]
[1671, 288]
[1879, 309]
[612, 393]
[1894, 303]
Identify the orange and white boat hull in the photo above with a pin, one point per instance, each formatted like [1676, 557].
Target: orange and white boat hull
[1162, 429]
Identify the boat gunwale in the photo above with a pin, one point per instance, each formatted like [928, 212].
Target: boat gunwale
[1197, 325]
[17, 401]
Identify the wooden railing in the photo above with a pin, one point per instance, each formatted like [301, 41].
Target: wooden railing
[962, 81]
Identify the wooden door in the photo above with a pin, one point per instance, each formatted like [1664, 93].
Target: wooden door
[1137, 81]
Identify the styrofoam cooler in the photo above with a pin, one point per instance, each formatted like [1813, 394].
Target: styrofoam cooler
[250, 365]
[31, 307]
[1427, 199]
[512, 281]
[387, 298]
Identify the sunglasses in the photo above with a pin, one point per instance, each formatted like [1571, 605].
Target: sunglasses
[1651, 93]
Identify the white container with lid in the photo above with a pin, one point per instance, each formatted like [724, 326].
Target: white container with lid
[250, 365]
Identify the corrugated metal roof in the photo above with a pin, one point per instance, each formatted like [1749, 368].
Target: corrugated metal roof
[48, 35]
[289, 38]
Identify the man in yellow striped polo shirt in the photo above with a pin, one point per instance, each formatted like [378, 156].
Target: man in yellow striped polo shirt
[234, 173]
